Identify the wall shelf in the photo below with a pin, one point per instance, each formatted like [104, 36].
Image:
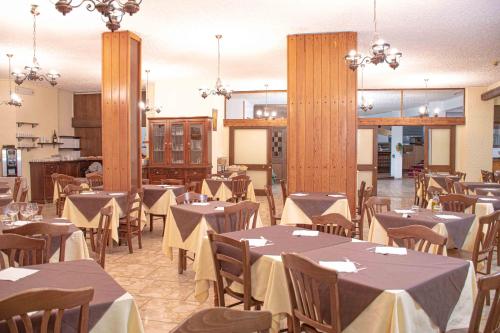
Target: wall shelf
[54, 144]
[74, 149]
[27, 148]
[33, 138]
[21, 123]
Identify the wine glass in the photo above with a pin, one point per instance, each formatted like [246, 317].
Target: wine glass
[33, 207]
[12, 211]
[26, 212]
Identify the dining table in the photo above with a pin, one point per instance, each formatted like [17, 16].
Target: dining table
[83, 209]
[472, 186]
[300, 207]
[84, 186]
[488, 191]
[415, 292]
[74, 241]
[219, 188]
[187, 225]
[112, 308]
[157, 199]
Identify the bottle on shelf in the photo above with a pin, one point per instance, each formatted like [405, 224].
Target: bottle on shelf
[54, 137]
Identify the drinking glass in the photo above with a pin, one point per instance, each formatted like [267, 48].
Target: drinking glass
[26, 212]
[12, 211]
[33, 207]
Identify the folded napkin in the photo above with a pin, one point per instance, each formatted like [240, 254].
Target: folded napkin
[489, 199]
[404, 211]
[20, 223]
[307, 233]
[199, 203]
[87, 192]
[299, 194]
[340, 266]
[116, 193]
[15, 273]
[219, 208]
[336, 195]
[448, 217]
[391, 250]
[256, 242]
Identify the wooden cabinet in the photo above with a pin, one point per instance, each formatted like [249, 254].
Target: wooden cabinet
[180, 148]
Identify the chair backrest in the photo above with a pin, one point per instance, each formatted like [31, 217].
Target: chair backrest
[334, 223]
[460, 188]
[101, 236]
[304, 277]
[64, 180]
[232, 264]
[21, 250]
[457, 202]
[461, 175]
[239, 186]
[270, 201]
[485, 285]
[172, 181]
[193, 186]
[417, 237]
[17, 186]
[432, 191]
[449, 185]
[225, 320]
[486, 237]
[284, 189]
[487, 176]
[47, 231]
[375, 205]
[239, 216]
[71, 189]
[46, 300]
[134, 208]
[188, 197]
[94, 179]
[361, 193]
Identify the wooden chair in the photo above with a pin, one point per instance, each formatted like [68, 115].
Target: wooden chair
[24, 194]
[61, 181]
[359, 220]
[416, 187]
[271, 203]
[432, 191]
[418, 238]
[375, 205]
[485, 242]
[232, 269]
[21, 250]
[99, 237]
[46, 231]
[17, 186]
[237, 217]
[15, 309]
[94, 179]
[239, 186]
[461, 175]
[424, 183]
[460, 188]
[487, 176]
[449, 185]
[485, 285]
[457, 203]
[335, 224]
[172, 181]
[188, 197]
[303, 276]
[193, 186]
[284, 189]
[130, 225]
[225, 320]
[71, 189]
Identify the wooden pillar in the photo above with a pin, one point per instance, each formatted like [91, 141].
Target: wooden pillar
[322, 114]
[121, 83]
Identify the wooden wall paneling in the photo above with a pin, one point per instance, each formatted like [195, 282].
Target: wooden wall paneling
[292, 112]
[334, 113]
[316, 133]
[351, 125]
[325, 144]
[301, 112]
[342, 122]
[309, 115]
[87, 123]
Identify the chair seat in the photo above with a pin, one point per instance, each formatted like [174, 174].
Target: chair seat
[239, 296]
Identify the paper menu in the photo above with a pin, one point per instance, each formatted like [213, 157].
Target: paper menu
[256, 242]
[15, 273]
[448, 217]
[340, 266]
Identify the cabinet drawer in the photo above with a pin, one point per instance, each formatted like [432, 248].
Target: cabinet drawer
[157, 171]
[175, 173]
[51, 168]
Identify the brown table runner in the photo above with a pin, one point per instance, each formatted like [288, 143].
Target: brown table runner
[187, 217]
[441, 179]
[215, 184]
[315, 203]
[474, 185]
[70, 275]
[90, 204]
[488, 191]
[153, 193]
[434, 282]
[457, 229]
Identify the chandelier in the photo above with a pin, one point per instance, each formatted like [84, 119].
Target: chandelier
[112, 11]
[14, 99]
[380, 51]
[364, 105]
[424, 109]
[220, 89]
[265, 113]
[32, 72]
[144, 105]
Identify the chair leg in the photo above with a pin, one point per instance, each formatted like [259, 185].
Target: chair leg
[139, 237]
[129, 241]
[164, 224]
[498, 248]
[151, 222]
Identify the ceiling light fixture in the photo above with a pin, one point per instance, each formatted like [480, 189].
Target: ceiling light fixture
[112, 11]
[32, 72]
[266, 112]
[380, 51]
[364, 106]
[424, 109]
[14, 99]
[220, 89]
[144, 105]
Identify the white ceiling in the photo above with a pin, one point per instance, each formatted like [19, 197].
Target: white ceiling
[451, 42]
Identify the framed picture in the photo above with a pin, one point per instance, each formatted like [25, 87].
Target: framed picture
[214, 119]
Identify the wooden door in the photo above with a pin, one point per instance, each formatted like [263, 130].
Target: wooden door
[251, 146]
[157, 142]
[439, 148]
[367, 156]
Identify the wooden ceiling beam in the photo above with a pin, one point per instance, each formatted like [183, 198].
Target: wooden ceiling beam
[495, 92]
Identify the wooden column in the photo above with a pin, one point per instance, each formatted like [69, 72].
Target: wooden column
[121, 83]
[322, 114]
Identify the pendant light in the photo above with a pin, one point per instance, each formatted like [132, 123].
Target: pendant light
[220, 89]
[144, 105]
[14, 99]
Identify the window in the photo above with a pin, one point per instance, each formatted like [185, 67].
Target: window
[252, 105]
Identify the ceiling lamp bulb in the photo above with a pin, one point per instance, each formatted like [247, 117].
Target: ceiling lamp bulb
[436, 112]
[274, 114]
[259, 113]
[142, 105]
[422, 110]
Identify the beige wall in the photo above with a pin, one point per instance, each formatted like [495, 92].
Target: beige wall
[181, 98]
[475, 138]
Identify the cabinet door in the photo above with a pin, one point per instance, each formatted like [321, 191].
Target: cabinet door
[196, 143]
[157, 142]
[177, 143]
